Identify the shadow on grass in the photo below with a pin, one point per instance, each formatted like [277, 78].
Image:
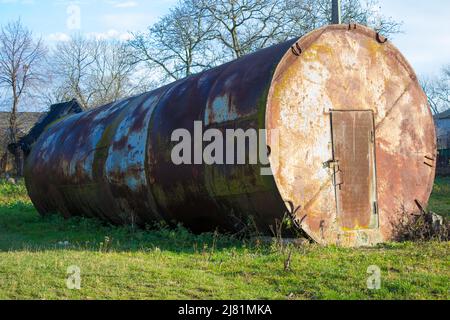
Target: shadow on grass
[440, 198]
[23, 229]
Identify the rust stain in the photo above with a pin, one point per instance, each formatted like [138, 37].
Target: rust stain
[114, 162]
[358, 74]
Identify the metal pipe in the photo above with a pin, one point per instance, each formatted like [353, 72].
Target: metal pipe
[336, 12]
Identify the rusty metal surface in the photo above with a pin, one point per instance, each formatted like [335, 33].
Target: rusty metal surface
[354, 169]
[350, 68]
[114, 162]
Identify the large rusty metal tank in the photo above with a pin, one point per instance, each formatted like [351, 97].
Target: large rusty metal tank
[354, 153]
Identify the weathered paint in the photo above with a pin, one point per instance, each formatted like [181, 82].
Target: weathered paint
[114, 162]
[350, 68]
[354, 169]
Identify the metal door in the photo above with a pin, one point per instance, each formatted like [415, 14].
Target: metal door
[355, 169]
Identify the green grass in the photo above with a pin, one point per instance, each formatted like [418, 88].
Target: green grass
[440, 199]
[35, 253]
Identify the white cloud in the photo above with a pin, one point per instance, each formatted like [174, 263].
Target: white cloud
[58, 36]
[127, 21]
[111, 34]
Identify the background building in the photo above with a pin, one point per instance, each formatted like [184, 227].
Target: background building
[25, 121]
[442, 122]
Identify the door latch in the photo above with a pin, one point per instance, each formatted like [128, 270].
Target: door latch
[337, 173]
[331, 164]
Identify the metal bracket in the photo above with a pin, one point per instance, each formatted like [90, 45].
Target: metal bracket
[297, 50]
[375, 208]
[381, 39]
[429, 161]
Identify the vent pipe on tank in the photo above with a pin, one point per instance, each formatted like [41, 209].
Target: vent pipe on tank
[336, 12]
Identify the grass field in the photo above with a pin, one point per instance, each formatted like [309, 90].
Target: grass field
[440, 200]
[121, 263]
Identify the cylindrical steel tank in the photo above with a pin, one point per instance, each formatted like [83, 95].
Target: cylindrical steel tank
[354, 150]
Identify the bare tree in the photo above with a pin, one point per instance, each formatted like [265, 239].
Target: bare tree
[245, 25]
[304, 16]
[198, 34]
[72, 63]
[445, 86]
[248, 25]
[428, 85]
[95, 72]
[369, 13]
[177, 45]
[21, 58]
[301, 17]
[110, 76]
[438, 90]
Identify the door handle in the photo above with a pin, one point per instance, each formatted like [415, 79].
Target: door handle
[337, 173]
[338, 177]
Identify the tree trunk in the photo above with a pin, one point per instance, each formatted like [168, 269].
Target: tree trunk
[18, 159]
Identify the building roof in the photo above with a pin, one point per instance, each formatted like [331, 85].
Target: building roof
[443, 115]
[25, 121]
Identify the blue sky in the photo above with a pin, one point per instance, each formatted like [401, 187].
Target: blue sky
[109, 18]
[426, 38]
[425, 41]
